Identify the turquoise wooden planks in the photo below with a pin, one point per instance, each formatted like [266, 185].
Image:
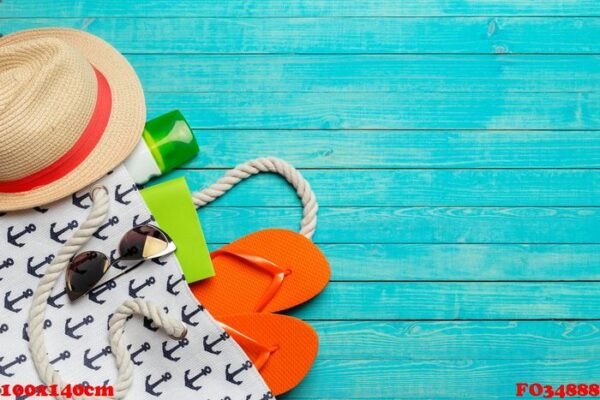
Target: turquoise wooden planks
[296, 8]
[552, 225]
[402, 149]
[482, 35]
[435, 379]
[406, 188]
[371, 301]
[367, 73]
[393, 110]
[460, 262]
[456, 340]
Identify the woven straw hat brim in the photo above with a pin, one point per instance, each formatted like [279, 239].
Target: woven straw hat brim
[122, 133]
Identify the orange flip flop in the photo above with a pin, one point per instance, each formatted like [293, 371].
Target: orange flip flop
[282, 348]
[269, 270]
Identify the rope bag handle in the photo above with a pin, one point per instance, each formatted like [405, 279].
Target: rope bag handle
[308, 225]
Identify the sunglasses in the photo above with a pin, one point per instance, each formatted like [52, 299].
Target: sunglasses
[144, 242]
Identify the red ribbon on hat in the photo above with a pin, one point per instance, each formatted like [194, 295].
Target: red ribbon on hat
[88, 139]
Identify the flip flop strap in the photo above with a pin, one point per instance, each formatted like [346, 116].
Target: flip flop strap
[263, 264]
[308, 225]
[251, 344]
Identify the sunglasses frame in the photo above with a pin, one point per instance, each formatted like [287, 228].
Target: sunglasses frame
[171, 247]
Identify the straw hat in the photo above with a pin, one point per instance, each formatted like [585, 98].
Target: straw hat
[71, 109]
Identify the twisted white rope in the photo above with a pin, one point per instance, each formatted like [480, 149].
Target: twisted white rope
[37, 312]
[232, 177]
[171, 326]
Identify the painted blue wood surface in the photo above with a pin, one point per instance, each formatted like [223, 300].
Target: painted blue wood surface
[454, 146]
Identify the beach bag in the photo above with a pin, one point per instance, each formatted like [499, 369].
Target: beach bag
[206, 364]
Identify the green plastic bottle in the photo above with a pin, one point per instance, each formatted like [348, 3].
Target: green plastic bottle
[167, 143]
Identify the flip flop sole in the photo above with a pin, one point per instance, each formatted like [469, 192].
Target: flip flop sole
[295, 341]
[239, 286]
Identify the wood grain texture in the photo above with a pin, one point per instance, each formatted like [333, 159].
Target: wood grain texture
[415, 224]
[460, 262]
[434, 379]
[297, 8]
[448, 35]
[407, 188]
[367, 73]
[401, 149]
[393, 110]
[456, 340]
[454, 146]
[370, 301]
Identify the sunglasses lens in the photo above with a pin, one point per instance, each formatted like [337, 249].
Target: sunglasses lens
[85, 270]
[144, 242]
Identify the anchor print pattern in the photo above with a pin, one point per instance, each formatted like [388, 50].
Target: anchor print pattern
[14, 237]
[135, 354]
[57, 234]
[168, 353]
[191, 380]
[172, 284]
[70, 330]
[33, 268]
[206, 364]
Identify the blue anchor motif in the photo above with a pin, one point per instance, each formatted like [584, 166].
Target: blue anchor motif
[41, 210]
[25, 333]
[209, 347]
[56, 234]
[172, 284]
[32, 269]
[13, 238]
[231, 375]
[151, 387]
[9, 262]
[78, 200]
[65, 355]
[52, 299]
[168, 353]
[149, 324]
[143, 348]
[120, 196]
[4, 368]
[111, 222]
[133, 291]
[158, 261]
[89, 361]
[187, 318]
[70, 330]
[10, 304]
[113, 260]
[137, 222]
[96, 292]
[189, 381]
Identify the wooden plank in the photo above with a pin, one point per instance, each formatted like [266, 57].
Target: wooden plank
[433, 379]
[415, 224]
[370, 301]
[481, 35]
[449, 262]
[366, 73]
[458, 340]
[393, 110]
[402, 149]
[408, 188]
[295, 8]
